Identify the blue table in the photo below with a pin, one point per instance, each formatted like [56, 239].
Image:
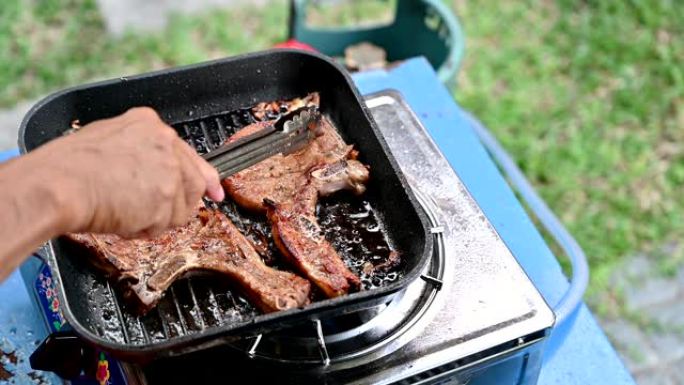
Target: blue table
[583, 356]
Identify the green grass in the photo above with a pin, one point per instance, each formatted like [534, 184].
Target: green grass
[50, 44]
[589, 98]
[350, 13]
[587, 95]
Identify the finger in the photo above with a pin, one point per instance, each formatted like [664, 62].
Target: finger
[140, 114]
[109, 127]
[135, 114]
[193, 176]
[193, 187]
[167, 189]
[179, 211]
[213, 188]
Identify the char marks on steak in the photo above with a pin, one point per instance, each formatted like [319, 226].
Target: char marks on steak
[278, 177]
[145, 268]
[287, 187]
[271, 110]
[298, 236]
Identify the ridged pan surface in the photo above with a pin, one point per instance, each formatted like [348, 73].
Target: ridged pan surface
[206, 103]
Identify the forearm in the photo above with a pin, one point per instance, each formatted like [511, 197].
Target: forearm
[31, 207]
[128, 175]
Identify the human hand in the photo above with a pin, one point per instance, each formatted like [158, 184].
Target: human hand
[130, 175]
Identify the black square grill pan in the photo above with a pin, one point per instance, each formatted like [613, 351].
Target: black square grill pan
[205, 102]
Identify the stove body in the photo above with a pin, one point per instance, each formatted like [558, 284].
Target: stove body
[474, 316]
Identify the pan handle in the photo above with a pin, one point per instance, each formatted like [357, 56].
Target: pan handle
[65, 354]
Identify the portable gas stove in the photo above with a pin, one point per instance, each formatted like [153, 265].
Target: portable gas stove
[473, 313]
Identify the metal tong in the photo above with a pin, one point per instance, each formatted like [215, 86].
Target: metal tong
[288, 134]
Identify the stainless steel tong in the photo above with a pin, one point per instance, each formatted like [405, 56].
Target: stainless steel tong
[288, 134]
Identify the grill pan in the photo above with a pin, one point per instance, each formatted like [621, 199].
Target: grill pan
[195, 99]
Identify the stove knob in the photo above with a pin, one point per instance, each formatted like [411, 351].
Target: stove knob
[62, 353]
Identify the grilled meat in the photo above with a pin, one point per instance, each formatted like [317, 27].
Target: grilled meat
[287, 187]
[271, 110]
[296, 232]
[278, 177]
[145, 268]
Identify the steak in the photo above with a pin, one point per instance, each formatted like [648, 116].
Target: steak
[296, 232]
[287, 187]
[145, 268]
[278, 177]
